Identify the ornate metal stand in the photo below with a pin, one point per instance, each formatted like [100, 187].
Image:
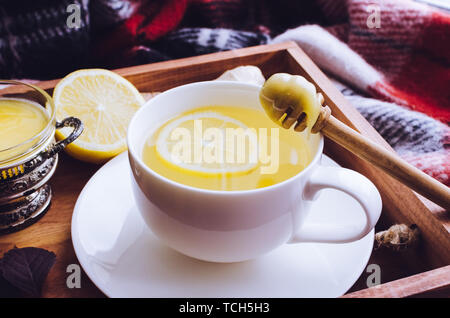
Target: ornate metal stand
[24, 193]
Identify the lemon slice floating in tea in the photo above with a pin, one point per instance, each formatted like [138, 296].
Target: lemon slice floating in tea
[105, 102]
[196, 143]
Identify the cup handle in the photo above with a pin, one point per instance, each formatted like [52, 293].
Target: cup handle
[352, 183]
[77, 126]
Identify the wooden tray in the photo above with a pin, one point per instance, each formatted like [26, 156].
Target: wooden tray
[422, 271]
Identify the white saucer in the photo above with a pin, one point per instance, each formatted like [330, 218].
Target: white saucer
[124, 259]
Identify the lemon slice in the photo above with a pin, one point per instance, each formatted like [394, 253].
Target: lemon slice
[105, 102]
[172, 148]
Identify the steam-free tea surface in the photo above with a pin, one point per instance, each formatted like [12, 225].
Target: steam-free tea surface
[225, 148]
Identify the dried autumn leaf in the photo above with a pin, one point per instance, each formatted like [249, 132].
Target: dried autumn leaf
[25, 270]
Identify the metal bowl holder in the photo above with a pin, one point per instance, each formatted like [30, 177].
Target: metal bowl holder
[24, 193]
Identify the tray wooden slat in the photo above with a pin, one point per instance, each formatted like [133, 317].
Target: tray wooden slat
[427, 284]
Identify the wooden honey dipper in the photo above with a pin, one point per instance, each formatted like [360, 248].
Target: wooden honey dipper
[291, 99]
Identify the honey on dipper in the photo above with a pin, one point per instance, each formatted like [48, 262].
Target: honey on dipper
[285, 98]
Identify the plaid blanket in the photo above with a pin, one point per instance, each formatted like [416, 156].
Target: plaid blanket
[390, 58]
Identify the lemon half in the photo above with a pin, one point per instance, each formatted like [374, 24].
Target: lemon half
[105, 102]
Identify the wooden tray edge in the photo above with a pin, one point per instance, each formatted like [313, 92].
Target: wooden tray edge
[420, 285]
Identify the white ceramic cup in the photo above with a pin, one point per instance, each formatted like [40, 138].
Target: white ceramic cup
[231, 226]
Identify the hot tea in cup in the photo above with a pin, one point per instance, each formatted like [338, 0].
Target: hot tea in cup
[215, 198]
[225, 148]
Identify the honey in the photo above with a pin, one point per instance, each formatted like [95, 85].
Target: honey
[20, 121]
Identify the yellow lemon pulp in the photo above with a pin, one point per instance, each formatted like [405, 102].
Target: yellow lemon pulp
[105, 102]
[20, 120]
[161, 151]
[169, 144]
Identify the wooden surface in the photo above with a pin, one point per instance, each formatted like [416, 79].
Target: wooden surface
[52, 232]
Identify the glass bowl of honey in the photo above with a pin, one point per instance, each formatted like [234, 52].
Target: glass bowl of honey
[28, 152]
